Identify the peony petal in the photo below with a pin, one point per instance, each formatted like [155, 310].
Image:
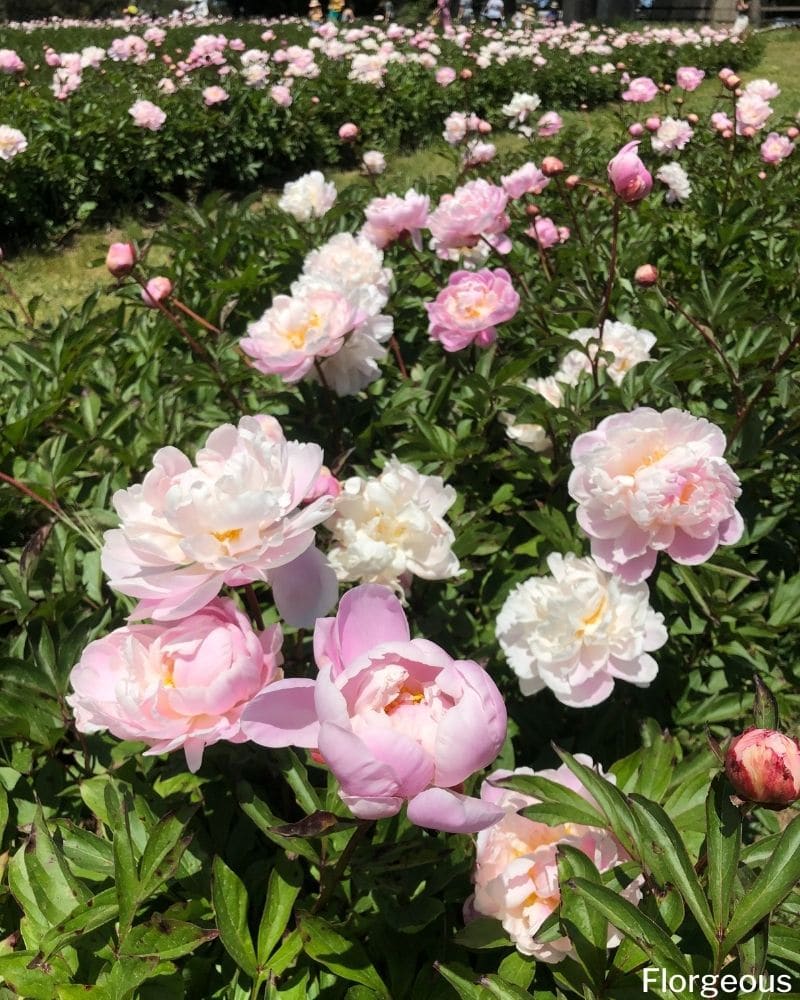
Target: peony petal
[304, 589]
[444, 809]
[369, 616]
[283, 715]
[354, 766]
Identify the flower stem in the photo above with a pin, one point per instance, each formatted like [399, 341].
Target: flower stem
[338, 872]
[253, 607]
[606, 305]
[198, 319]
[395, 346]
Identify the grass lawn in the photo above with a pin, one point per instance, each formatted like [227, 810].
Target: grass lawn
[66, 274]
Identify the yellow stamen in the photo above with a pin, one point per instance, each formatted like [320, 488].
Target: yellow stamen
[232, 535]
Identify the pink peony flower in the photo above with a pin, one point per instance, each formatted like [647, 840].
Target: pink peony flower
[10, 62]
[752, 112]
[348, 132]
[469, 308]
[232, 518]
[12, 142]
[516, 866]
[764, 89]
[672, 134]
[641, 90]
[628, 175]
[546, 233]
[214, 95]
[763, 765]
[296, 330]
[281, 95]
[445, 76]
[721, 121]
[399, 719]
[527, 179]
[474, 212]
[374, 162]
[689, 78]
[121, 259]
[156, 290]
[147, 115]
[186, 684]
[394, 218]
[647, 481]
[775, 148]
[549, 124]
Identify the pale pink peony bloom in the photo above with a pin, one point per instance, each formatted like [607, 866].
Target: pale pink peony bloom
[647, 481]
[630, 178]
[185, 684]
[477, 153]
[455, 128]
[147, 115]
[214, 95]
[689, 78]
[374, 162]
[400, 721]
[628, 346]
[641, 90]
[348, 132]
[672, 134]
[232, 518]
[764, 89]
[721, 121]
[677, 181]
[763, 766]
[752, 112]
[309, 197]
[156, 290]
[527, 179]
[468, 310]
[394, 218]
[12, 142]
[546, 233]
[166, 86]
[516, 867]
[10, 62]
[549, 124]
[578, 630]
[120, 259]
[281, 95]
[445, 76]
[475, 212]
[520, 107]
[297, 330]
[775, 148]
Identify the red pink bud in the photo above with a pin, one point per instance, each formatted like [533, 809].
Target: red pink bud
[551, 166]
[763, 766]
[646, 275]
[121, 259]
[155, 291]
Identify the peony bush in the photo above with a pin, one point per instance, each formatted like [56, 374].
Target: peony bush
[401, 587]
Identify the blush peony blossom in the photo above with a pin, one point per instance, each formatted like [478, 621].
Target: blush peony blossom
[764, 89]
[549, 124]
[394, 218]
[629, 347]
[776, 147]
[281, 95]
[577, 631]
[516, 865]
[642, 90]
[147, 115]
[672, 134]
[689, 78]
[520, 107]
[214, 95]
[647, 482]
[546, 233]
[232, 518]
[468, 310]
[527, 179]
[534, 437]
[629, 177]
[12, 142]
[10, 62]
[297, 330]
[445, 76]
[752, 111]
[474, 212]
[185, 684]
[677, 181]
[309, 197]
[391, 527]
[374, 162]
[400, 721]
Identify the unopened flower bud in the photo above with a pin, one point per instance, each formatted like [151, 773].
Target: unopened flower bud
[325, 485]
[646, 275]
[532, 211]
[792, 132]
[551, 166]
[732, 81]
[762, 175]
[348, 132]
[724, 73]
[484, 128]
[692, 119]
[726, 133]
[121, 259]
[666, 87]
[466, 74]
[620, 65]
[748, 131]
[636, 130]
[763, 765]
[653, 123]
[156, 290]
[572, 181]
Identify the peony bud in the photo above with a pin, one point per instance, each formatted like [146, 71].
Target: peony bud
[732, 81]
[762, 175]
[724, 73]
[484, 127]
[121, 259]
[325, 485]
[572, 181]
[653, 123]
[348, 132]
[630, 178]
[552, 166]
[748, 131]
[792, 132]
[646, 275]
[726, 133]
[156, 290]
[692, 119]
[466, 74]
[763, 766]
[636, 130]
[532, 211]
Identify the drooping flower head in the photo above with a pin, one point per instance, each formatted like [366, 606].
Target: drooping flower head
[630, 178]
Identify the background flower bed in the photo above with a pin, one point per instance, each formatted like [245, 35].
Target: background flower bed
[86, 156]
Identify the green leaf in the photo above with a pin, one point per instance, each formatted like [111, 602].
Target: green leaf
[343, 957]
[229, 897]
[466, 987]
[666, 855]
[765, 708]
[784, 943]
[619, 815]
[776, 880]
[723, 843]
[285, 881]
[643, 931]
[3, 811]
[517, 969]
[657, 767]
[266, 821]
[34, 982]
[583, 923]
[485, 932]
[87, 916]
[164, 939]
[556, 813]
[498, 987]
[126, 879]
[162, 853]
[295, 773]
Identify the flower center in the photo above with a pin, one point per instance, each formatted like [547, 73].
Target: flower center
[592, 618]
[405, 696]
[169, 672]
[231, 535]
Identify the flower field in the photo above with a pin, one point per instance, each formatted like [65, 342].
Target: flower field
[402, 583]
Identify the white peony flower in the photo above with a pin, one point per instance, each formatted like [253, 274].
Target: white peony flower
[520, 106]
[676, 179]
[351, 265]
[392, 525]
[12, 142]
[578, 630]
[532, 436]
[629, 346]
[309, 197]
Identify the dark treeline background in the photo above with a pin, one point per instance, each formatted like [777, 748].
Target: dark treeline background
[23, 10]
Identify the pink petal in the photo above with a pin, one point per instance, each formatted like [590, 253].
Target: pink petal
[443, 809]
[304, 589]
[354, 765]
[283, 715]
